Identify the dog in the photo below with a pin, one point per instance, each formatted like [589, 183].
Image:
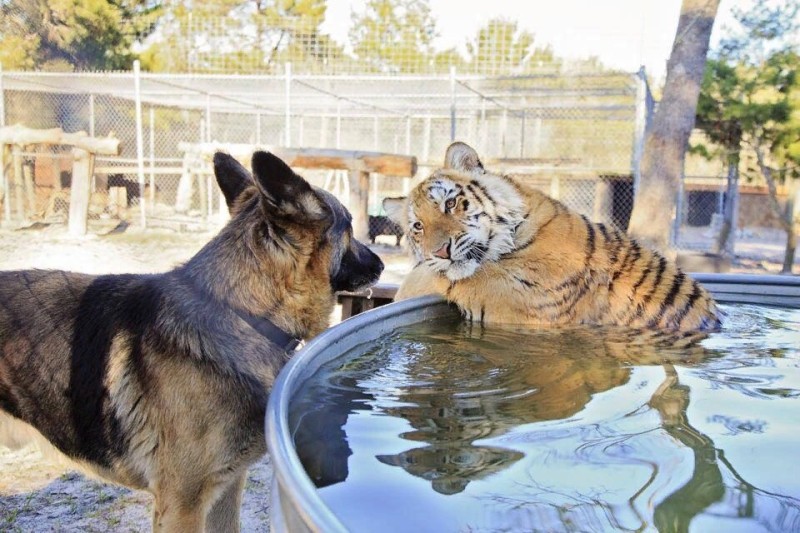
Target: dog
[160, 382]
[383, 225]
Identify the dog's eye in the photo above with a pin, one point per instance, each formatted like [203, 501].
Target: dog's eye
[450, 203]
[417, 226]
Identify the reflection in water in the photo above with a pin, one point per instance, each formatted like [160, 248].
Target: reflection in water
[581, 428]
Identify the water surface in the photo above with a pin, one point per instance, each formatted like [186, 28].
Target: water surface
[446, 427]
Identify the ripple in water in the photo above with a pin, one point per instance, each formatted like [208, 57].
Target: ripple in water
[443, 427]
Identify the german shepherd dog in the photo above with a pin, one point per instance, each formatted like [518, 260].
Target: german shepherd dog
[160, 382]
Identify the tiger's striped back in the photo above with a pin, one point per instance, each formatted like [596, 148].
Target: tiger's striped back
[507, 253]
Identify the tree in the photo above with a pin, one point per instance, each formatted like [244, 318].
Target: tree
[668, 138]
[81, 34]
[289, 31]
[748, 101]
[242, 36]
[722, 124]
[394, 35]
[500, 47]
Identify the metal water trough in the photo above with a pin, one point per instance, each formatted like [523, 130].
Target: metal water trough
[296, 505]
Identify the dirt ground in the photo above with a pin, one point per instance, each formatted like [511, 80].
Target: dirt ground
[38, 495]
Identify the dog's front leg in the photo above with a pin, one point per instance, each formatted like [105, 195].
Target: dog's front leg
[170, 515]
[224, 514]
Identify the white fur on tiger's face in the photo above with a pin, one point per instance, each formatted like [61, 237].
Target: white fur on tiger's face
[457, 220]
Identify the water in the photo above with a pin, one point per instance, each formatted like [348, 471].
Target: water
[442, 427]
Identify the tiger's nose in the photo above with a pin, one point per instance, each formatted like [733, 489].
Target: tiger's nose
[444, 251]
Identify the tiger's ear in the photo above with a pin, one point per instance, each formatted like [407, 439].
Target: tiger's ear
[462, 157]
[396, 210]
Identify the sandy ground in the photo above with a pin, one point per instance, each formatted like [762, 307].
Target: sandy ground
[38, 495]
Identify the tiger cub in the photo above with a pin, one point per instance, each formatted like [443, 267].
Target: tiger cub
[507, 253]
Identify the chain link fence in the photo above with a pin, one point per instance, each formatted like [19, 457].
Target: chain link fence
[576, 137]
[579, 130]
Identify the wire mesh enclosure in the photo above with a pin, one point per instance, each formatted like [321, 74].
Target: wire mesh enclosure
[577, 137]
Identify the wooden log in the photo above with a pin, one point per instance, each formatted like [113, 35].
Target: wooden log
[18, 189]
[30, 191]
[603, 201]
[22, 135]
[359, 203]
[117, 201]
[185, 192]
[80, 191]
[325, 158]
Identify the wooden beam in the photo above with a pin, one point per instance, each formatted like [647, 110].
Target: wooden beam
[21, 135]
[325, 158]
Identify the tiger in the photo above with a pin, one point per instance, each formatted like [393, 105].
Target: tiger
[506, 253]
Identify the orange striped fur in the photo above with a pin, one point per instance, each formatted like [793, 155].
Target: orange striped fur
[507, 253]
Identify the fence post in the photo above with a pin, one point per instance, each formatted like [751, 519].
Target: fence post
[91, 115]
[287, 130]
[375, 133]
[301, 130]
[208, 118]
[408, 134]
[4, 181]
[338, 123]
[452, 103]
[137, 88]
[152, 194]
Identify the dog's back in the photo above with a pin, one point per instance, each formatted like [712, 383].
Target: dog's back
[61, 334]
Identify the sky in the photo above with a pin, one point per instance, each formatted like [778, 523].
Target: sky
[624, 34]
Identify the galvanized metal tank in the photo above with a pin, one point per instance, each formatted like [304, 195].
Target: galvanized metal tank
[296, 506]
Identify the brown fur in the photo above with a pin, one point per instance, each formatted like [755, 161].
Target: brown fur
[160, 382]
[537, 261]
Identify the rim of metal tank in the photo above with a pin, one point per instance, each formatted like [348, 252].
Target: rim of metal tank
[762, 289]
[287, 469]
[782, 290]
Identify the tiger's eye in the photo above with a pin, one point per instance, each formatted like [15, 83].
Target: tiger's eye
[417, 226]
[450, 203]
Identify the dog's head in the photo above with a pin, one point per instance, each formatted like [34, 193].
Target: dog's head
[298, 235]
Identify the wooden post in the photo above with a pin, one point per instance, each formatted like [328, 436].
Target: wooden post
[139, 141]
[426, 142]
[18, 193]
[555, 186]
[80, 192]
[30, 191]
[603, 201]
[183, 196]
[55, 161]
[359, 203]
[4, 188]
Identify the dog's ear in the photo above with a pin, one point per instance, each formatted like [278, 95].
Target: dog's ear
[232, 177]
[285, 193]
[462, 157]
[396, 210]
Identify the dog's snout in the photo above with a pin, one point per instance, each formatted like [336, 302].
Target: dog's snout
[360, 267]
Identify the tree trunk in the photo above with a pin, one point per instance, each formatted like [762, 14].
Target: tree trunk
[722, 246]
[667, 140]
[785, 218]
